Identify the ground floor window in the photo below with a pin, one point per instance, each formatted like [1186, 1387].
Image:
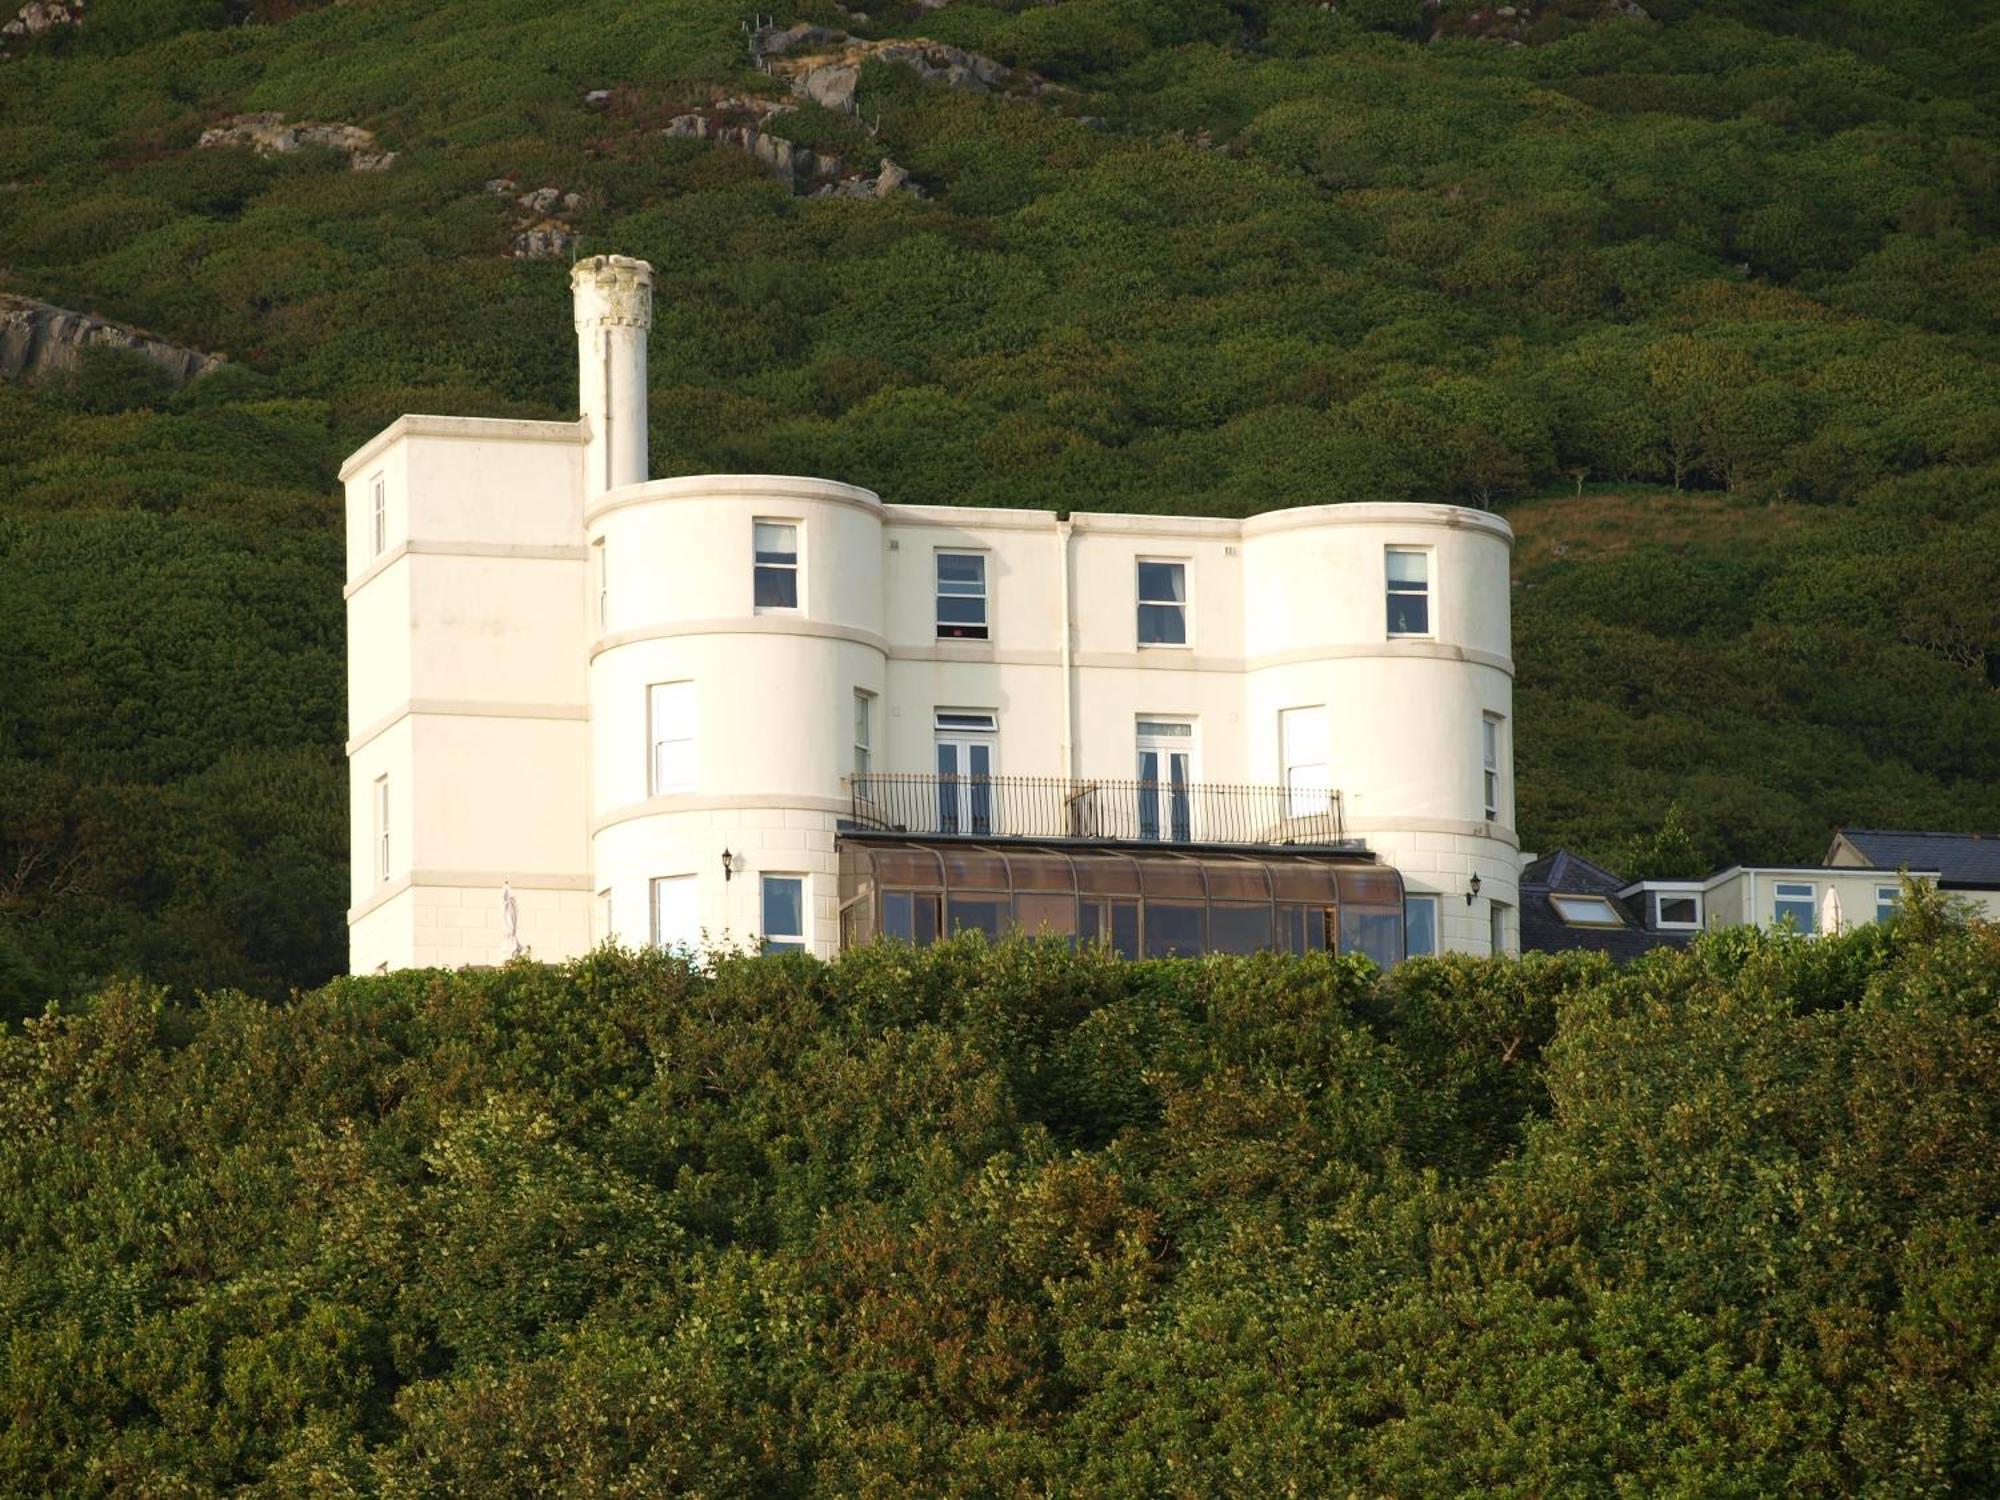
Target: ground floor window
[676, 916]
[1887, 899]
[1793, 900]
[784, 913]
[1420, 925]
[1497, 918]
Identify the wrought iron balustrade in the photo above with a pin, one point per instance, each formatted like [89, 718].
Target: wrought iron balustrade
[1134, 811]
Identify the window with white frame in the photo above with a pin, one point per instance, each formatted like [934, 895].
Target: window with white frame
[1163, 603]
[1409, 579]
[1489, 748]
[600, 580]
[676, 913]
[378, 524]
[1795, 901]
[864, 733]
[1496, 919]
[670, 715]
[784, 913]
[1420, 925]
[1888, 901]
[961, 596]
[1302, 743]
[777, 564]
[1581, 910]
[1677, 909]
[381, 828]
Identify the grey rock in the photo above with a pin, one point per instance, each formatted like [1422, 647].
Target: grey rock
[541, 200]
[267, 134]
[39, 339]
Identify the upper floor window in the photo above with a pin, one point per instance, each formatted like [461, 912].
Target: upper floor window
[381, 827]
[1489, 729]
[961, 596]
[1888, 898]
[784, 913]
[1677, 909]
[1409, 570]
[1794, 899]
[864, 737]
[1162, 603]
[670, 713]
[1302, 743]
[378, 525]
[777, 565]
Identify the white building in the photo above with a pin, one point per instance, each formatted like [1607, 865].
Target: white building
[585, 688]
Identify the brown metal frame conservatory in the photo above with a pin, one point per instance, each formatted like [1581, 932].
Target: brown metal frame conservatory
[1145, 900]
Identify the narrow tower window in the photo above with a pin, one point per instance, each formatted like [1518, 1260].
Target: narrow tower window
[381, 828]
[379, 515]
[1489, 728]
[671, 710]
[864, 706]
[1409, 572]
[777, 565]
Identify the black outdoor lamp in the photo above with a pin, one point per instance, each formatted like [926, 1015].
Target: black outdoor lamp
[1474, 891]
[731, 863]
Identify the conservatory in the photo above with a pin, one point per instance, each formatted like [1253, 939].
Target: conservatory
[1144, 901]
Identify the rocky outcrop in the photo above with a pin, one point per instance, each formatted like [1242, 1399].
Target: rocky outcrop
[268, 135]
[824, 65]
[739, 122]
[38, 339]
[1527, 22]
[39, 17]
[544, 227]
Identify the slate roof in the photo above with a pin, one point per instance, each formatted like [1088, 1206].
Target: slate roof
[1544, 931]
[1962, 860]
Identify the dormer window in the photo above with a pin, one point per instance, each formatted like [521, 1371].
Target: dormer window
[1586, 911]
[1677, 909]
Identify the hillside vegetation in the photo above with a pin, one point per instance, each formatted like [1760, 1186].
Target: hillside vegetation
[1021, 1222]
[1191, 256]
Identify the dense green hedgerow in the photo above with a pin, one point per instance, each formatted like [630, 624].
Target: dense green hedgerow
[1018, 1221]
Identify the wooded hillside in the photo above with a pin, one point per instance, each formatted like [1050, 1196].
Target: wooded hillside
[1188, 256]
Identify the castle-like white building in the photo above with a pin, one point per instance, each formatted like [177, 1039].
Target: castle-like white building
[585, 704]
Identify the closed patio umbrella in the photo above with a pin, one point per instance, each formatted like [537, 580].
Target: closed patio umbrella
[1829, 912]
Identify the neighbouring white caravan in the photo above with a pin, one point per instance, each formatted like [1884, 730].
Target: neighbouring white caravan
[586, 704]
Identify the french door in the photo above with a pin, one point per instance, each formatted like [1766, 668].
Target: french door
[1165, 780]
[965, 766]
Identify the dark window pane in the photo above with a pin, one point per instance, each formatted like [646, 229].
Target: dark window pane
[978, 914]
[961, 611]
[1292, 929]
[1125, 928]
[777, 588]
[961, 573]
[1379, 934]
[1088, 928]
[1409, 614]
[927, 920]
[784, 906]
[1239, 929]
[1173, 929]
[898, 919]
[1162, 625]
[1163, 582]
[1421, 914]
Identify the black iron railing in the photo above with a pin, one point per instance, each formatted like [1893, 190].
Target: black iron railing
[1054, 807]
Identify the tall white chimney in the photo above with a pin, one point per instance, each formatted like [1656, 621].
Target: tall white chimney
[614, 311]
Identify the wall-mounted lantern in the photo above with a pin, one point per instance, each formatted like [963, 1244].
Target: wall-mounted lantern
[1473, 891]
[732, 864]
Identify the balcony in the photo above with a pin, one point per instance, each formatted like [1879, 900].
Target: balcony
[1105, 811]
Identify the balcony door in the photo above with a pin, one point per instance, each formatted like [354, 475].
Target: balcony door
[1302, 742]
[1166, 774]
[967, 761]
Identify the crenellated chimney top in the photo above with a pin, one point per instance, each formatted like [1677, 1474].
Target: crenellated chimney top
[613, 297]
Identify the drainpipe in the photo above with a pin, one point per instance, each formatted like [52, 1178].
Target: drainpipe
[1063, 527]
